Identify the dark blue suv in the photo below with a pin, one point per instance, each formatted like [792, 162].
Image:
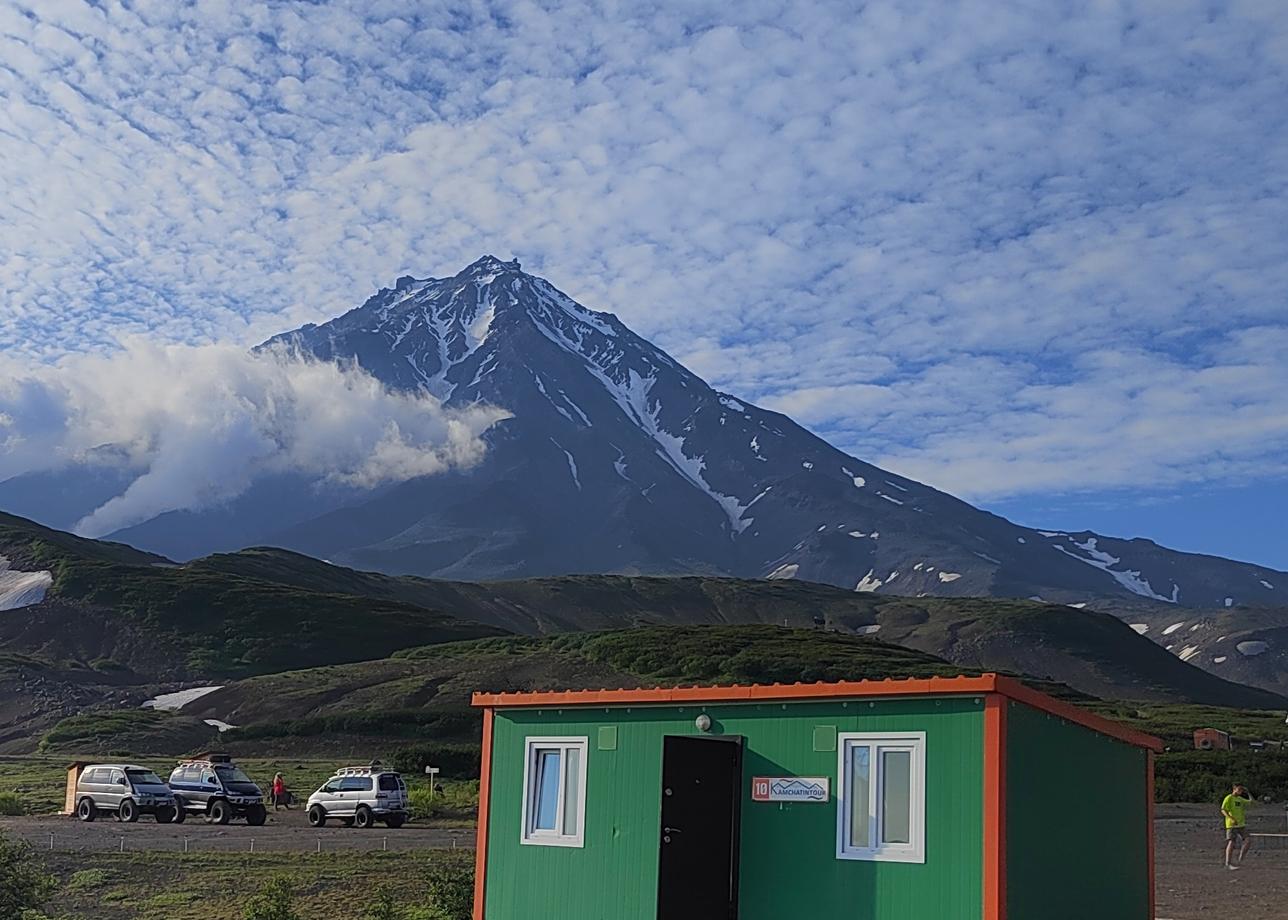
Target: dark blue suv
[217, 789]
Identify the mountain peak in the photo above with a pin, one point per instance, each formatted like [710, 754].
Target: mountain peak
[490, 263]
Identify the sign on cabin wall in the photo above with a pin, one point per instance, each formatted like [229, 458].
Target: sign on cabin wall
[789, 789]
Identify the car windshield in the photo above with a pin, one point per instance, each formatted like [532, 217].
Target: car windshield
[233, 775]
[144, 778]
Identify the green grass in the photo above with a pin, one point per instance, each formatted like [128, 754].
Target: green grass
[38, 781]
[106, 724]
[173, 886]
[12, 804]
[88, 880]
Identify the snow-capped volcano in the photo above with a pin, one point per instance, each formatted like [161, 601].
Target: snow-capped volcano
[618, 459]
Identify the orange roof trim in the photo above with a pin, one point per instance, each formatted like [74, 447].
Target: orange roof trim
[933, 686]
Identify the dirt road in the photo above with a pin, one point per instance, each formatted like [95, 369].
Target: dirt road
[284, 832]
[1191, 881]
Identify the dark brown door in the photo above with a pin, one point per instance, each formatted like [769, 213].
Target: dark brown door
[701, 805]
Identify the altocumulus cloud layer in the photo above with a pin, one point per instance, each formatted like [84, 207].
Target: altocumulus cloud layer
[1003, 247]
[196, 425]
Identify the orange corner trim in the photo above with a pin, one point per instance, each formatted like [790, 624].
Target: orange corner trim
[485, 798]
[1149, 830]
[995, 727]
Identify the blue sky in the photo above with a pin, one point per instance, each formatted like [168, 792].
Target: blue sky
[1029, 253]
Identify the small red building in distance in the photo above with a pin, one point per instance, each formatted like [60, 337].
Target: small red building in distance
[1211, 739]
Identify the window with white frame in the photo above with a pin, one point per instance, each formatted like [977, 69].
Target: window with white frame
[881, 798]
[554, 784]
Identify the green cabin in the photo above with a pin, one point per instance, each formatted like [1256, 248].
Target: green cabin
[967, 798]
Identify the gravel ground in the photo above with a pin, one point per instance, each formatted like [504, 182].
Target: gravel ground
[1192, 881]
[287, 831]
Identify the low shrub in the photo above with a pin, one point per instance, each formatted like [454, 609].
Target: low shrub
[451, 890]
[11, 804]
[398, 723]
[87, 879]
[456, 760]
[24, 884]
[1206, 776]
[275, 900]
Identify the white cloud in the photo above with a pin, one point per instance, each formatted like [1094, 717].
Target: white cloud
[916, 226]
[195, 425]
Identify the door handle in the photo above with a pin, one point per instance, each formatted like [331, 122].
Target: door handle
[670, 830]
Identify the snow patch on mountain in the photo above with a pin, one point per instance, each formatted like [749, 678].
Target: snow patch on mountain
[1267, 585]
[1173, 628]
[173, 702]
[868, 583]
[22, 589]
[946, 577]
[1141, 628]
[633, 400]
[787, 570]
[1252, 648]
[572, 463]
[859, 481]
[1131, 580]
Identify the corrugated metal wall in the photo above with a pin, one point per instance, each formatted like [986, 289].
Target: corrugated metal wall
[789, 865]
[1076, 822]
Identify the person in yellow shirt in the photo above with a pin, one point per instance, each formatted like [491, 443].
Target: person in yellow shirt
[1234, 808]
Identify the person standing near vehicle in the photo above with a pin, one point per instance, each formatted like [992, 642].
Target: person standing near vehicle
[1234, 808]
[281, 797]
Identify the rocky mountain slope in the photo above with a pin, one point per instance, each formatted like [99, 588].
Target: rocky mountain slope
[619, 459]
[1247, 645]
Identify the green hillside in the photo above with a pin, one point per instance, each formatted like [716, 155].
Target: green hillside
[424, 693]
[109, 603]
[1094, 652]
[263, 610]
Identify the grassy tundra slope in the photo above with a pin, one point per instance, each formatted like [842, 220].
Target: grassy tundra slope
[1094, 652]
[132, 612]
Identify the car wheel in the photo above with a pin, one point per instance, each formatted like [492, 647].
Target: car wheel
[166, 815]
[180, 813]
[363, 818]
[129, 812]
[256, 815]
[317, 817]
[86, 811]
[395, 821]
[220, 812]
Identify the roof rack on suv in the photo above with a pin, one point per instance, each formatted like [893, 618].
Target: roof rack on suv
[374, 767]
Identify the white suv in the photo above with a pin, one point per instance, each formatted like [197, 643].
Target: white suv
[361, 796]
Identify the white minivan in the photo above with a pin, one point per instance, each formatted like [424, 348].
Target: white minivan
[361, 796]
[125, 791]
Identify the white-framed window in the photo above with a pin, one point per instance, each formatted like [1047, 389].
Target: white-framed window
[881, 796]
[554, 791]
